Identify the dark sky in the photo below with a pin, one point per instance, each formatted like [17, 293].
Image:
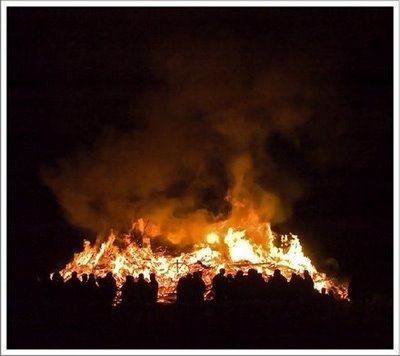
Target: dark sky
[308, 92]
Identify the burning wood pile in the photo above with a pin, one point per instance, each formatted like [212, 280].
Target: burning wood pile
[250, 244]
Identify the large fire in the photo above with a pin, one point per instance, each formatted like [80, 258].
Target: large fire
[246, 244]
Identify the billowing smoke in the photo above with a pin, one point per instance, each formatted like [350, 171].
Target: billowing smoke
[202, 143]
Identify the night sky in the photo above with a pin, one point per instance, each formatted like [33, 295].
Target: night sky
[307, 92]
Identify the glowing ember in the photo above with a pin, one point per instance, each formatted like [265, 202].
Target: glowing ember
[237, 252]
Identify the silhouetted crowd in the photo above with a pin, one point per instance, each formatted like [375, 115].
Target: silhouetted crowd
[101, 291]
[191, 289]
[250, 287]
[232, 310]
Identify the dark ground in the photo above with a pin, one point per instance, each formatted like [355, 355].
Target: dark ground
[316, 324]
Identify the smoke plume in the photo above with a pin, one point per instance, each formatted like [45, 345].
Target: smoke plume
[202, 143]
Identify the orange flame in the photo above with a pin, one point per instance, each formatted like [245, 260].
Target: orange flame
[224, 246]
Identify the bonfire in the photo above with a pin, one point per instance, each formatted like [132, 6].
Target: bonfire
[232, 244]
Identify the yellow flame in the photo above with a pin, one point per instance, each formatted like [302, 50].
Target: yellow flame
[239, 244]
[212, 238]
[240, 249]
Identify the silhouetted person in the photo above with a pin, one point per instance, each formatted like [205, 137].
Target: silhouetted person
[73, 289]
[85, 294]
[102, 293]
[128, 292]
[180, 291]
[57, 286]
[92, 279]
[199, 288]
[153, 289]
[84, 277]
[238, 286]
[229, 287]
[93, 297]
[141, 290]
[57, 299]
[220, 286]
[92, 289]
[57, 291]
[295, 286]
[308, 283]
[189, 288]
[108, 287]
[277, 285]
[324, 305]
[254, 285]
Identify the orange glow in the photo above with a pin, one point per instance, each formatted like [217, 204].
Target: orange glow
[239, 246]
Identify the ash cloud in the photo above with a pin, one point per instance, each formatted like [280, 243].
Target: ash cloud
[205, 128]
